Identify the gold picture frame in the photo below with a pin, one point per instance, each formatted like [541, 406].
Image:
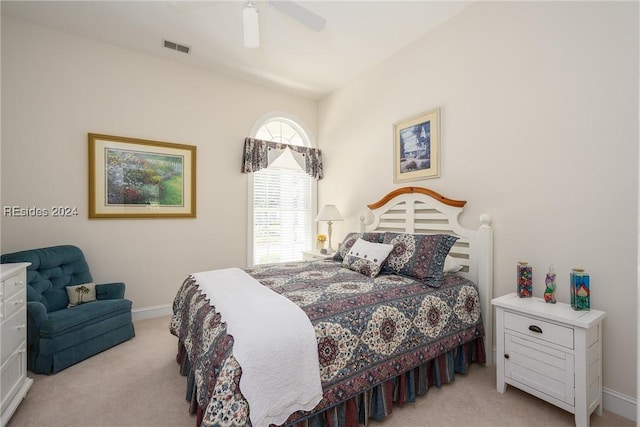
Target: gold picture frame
[416, 147]
[137, 178]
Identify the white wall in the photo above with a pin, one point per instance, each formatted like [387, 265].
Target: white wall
[58, 87]
[539, 116]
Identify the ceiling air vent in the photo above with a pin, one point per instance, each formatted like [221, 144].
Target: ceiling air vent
[176, 46]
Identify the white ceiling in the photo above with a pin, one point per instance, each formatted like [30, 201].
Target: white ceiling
[291, 57]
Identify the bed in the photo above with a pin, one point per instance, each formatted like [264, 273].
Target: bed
[382, 338]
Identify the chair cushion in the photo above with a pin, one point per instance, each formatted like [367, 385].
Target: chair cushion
[75, 318]
[51, 270]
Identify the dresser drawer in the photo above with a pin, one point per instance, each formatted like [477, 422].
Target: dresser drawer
[12, 376]
[13, 334]
[12, 285]
[539, 329]
[15, 303]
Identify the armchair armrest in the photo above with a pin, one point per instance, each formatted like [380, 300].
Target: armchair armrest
[110, 291]
[36, 316]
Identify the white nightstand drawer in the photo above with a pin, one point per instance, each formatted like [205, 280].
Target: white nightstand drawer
[542, 368]
[539, 329]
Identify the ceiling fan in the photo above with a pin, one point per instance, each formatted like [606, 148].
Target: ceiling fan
[251, 25]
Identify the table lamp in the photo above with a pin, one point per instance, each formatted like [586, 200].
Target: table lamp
[329, 213]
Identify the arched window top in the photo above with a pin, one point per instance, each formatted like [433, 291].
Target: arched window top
[280, 141]
[281, 127]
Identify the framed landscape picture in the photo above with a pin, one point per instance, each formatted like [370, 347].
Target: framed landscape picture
[136, 178]
[416, 147]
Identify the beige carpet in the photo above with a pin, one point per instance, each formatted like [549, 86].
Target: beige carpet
[137, 384]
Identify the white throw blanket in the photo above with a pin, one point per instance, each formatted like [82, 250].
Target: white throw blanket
[273, 341]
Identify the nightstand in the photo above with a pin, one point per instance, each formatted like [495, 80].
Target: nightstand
[315, 255]
[552, 352]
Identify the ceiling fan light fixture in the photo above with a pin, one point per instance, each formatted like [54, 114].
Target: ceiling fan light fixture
[250, 25]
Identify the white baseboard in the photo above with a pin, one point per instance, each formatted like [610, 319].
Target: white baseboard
[612, 401]
[152, 312]
[619, 403]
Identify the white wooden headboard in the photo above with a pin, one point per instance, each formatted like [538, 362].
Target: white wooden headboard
[420, 210]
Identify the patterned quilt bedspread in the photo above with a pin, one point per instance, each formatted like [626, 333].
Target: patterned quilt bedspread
[368, 331]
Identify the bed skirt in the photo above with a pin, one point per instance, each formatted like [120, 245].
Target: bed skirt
[376, 402]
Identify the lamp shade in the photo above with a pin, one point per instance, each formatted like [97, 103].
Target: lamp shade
[329, 213]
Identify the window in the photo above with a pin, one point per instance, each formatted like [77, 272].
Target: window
[281, 200]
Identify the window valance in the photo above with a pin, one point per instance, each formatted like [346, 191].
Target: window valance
[259, 154]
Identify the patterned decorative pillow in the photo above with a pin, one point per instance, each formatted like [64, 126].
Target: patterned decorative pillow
[351, 238]
[420, 256]
[80, 294]
[366, 257]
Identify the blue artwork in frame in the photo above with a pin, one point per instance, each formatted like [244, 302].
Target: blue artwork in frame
[416, 147]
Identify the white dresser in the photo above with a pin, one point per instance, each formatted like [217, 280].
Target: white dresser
[13, 347]
[550, 351]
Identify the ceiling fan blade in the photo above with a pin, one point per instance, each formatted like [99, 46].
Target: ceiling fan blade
[300, 14]
[186, 6]
[250, 25]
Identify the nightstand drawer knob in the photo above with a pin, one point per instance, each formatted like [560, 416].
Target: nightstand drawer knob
[535, 328]
[506, 356]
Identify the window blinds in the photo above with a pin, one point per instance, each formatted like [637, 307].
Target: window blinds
[281, 215]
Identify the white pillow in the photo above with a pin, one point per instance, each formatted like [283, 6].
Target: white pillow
[451, 265]
[80, 294]
[366, 257]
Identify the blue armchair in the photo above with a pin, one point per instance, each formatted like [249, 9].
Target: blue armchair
[59, 336]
